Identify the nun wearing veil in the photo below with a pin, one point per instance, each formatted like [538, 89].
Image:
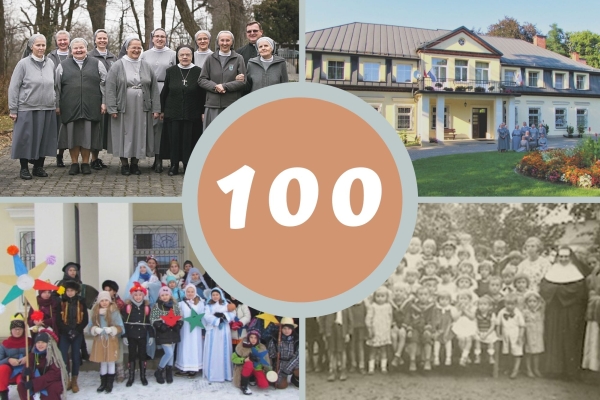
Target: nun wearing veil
[564, 290]
[132, 100]
[32, 105]
[159, 57]
[107, 59]
[144, 276]
[202, 52]
[218, 77]
[182, 103]
[194, 277]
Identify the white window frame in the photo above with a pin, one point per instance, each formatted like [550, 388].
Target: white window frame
[565, 79]
[564, 114]
[463, 68]
[585, 114]
[530, 114]
[482, 71]
[337, 67]
[437, 69]
[586, 80]
[434, 117]
[410, 115]
[369, 65]
[409, 73]
[540, 77]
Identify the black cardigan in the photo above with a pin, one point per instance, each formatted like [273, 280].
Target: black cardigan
[179, 102]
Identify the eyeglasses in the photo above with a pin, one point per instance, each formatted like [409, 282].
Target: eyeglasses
[253, 31]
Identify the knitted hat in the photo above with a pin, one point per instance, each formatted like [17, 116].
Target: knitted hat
[164, 289]
[42, 337]
[255, 333]
[171, 278]
[72, 285]
[287, 321]
[104, 295]
[111, 284]
[138, 288]
[17, 321]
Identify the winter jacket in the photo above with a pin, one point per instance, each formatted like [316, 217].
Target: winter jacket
[105, 347]
[213, 74]
[51, 310]
[73, 315]
[165, 334]
[258, 78]
[137, 320]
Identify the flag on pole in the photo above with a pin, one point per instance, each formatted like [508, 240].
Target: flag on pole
[432, 76]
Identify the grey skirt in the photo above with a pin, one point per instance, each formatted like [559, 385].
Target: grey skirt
[35, 135]
[210, 114]
[80, 132]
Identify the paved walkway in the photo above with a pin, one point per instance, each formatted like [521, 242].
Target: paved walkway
[108, 182]
[472, 146]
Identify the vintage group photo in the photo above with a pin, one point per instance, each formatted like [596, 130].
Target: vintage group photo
[489, 299]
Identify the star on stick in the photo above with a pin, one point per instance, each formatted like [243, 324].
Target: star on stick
[23, 282]
[261, 356]
[195, 320]
[268, 319]
[170, 319]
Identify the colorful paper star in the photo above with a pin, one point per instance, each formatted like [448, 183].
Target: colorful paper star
[195, 320]
[261, 357]
[23, 282]
[268, 319]
[170, 319]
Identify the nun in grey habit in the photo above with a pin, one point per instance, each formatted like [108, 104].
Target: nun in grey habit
[202, 38]
[132, 100]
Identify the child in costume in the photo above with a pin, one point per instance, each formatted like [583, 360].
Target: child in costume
[73, 320]
[46, 315]
[12, 355]
[190, 348]
[486, 328]
[144, 276]
[152, 263]
[251, 358]
[511, 328]
[172, 283]
[47, 374]
[289, 354]
[336, 329]
[112, 287]
[166, 320]
[217, 365]
[533, 314]
[195, 278]
[138, 331]
[106, 326]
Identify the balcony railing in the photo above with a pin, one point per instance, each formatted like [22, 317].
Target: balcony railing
[452, 85]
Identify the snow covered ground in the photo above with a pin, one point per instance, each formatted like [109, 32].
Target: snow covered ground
[180, 388]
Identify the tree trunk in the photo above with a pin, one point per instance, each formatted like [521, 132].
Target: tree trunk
[137, 22]
[187, 17]
[2, 38]
[69, 18]
[148, 21]
[163, 11]
[97, 11]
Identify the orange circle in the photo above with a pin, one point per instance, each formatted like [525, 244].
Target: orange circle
[321, 258]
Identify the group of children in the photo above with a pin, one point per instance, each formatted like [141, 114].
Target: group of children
[439, 308]
[193, 325]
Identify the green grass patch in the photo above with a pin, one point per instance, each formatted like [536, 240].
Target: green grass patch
[485, 174]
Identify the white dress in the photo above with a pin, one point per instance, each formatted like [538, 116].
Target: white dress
[191, 347]
[217, 365]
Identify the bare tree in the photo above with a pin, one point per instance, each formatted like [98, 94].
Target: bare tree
[187, 15]
[137, 23]
[2, 38]
[163, 13]
[229, 15]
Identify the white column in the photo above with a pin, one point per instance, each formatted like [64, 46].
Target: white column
[423, 121]
[115, 243]
[54, 235]
[510, 110]
[88, 243]
[439, 118]
[497, 116]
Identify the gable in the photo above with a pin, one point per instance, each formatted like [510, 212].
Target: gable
[453, 44]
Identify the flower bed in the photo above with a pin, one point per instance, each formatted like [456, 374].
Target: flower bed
[577, 167]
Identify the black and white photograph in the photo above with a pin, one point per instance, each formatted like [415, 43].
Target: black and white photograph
[490, 300]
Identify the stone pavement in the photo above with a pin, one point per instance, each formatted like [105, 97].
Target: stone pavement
[473, 146]
[106, 183]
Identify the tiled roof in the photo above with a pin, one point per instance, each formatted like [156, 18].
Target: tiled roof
[403, 42]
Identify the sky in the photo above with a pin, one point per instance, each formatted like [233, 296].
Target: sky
[571, 16]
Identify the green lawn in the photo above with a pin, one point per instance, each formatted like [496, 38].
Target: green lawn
[485, 174]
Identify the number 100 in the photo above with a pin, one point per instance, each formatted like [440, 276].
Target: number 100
[240, 182]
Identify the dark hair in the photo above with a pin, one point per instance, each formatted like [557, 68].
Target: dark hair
[254, 23]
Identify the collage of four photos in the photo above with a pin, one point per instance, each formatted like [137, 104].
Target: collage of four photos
[103, 105]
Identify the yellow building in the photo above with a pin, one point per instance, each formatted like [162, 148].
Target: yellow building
[106, 239]
[408, 74]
